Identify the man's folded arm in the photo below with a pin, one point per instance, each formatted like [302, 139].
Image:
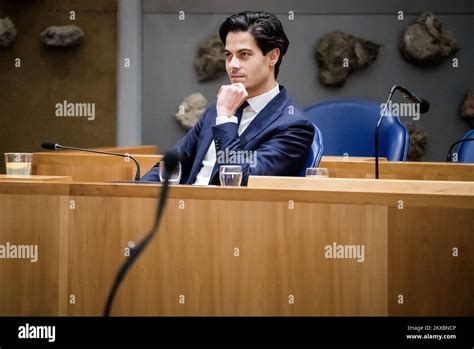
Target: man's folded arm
[283, 154]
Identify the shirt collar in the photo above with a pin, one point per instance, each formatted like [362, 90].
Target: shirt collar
[259, 102]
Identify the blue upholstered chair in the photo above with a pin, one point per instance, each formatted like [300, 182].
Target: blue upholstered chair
[315, 152]
[466, 149]
[348, 128]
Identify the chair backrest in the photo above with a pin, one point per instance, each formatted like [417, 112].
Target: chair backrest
[315, 152]
[466, 149]
[348, 127]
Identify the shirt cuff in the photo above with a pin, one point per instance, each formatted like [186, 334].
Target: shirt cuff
[224, 119]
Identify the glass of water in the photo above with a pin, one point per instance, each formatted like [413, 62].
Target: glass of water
[230, 175]
[317, 172]
[18, 164]
[175, 176]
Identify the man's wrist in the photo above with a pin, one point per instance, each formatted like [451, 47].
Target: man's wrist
[221, 119]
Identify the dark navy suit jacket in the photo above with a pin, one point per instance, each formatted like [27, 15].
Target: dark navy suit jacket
[280, 136]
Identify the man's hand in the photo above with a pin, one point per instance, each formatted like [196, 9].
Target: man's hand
[229, 98]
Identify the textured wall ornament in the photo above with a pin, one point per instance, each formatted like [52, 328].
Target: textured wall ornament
[426, 43]
[467, 109]
[7, 32]
[338, 54]
[191, 109]
[418, 141]
[210, 60]
[63, 36]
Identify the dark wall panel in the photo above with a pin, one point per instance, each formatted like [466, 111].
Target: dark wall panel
[84, 74]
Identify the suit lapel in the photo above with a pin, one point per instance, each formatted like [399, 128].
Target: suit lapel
[267, 116]
[202, 149]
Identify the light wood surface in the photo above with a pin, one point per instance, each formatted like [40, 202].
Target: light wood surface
[281, 234]
[35, 178]
[193, 256]
[103, 168]
[340, 167]
[90, 167]
[369, 191]
[423, 266]
[32, 288]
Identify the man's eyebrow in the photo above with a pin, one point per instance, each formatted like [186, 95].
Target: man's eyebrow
[240, 51]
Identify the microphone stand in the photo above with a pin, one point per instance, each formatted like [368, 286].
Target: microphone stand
[448, 157]
[135, 251]
[377, 128]
[137, 174]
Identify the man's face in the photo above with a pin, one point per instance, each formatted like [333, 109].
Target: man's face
[246, 63]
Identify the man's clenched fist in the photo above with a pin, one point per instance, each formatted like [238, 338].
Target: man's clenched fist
[230, 97]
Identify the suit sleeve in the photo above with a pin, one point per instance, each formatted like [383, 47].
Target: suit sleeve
[283, 154]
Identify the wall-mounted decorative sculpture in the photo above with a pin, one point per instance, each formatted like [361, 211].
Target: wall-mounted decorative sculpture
[210, 60]
[418, 141]
[467, 109]
[63, 36]
[426, 43]
[191, 109]
[7, 32]
[338, 54]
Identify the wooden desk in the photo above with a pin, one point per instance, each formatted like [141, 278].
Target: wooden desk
[242, 251]
[103, 168]
[90, 167]
[34, 178]
[340, 167]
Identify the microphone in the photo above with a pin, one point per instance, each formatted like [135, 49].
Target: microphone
[424, 104]
[55, 146]
[171, 160]
[424, 107]
[450, 151]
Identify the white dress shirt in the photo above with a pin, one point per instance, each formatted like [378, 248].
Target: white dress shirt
[256, 104]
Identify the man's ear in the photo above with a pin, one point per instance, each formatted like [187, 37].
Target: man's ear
[274, 55]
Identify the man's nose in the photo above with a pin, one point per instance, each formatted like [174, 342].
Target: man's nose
[234, 63]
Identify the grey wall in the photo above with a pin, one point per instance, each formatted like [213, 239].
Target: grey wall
[129, 73]
[170, 46]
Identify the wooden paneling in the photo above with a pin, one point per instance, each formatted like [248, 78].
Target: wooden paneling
[340, 167]
[91, 167]
[94, 167]
[32, 288]
[34, 178]
[280, 234]
[423, 266]
[280, 254]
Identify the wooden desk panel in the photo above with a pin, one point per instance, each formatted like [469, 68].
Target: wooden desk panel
[90, 167]
[340, 167]
[10, 178]
[103, 168]
[139, 149]
[423, 266]
[34, 288]
[281, 249]
[280, 256]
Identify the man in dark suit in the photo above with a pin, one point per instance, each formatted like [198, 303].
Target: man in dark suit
[254, 123]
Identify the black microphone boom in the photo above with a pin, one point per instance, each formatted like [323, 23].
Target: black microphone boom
[450, 151]
[424, 104]
[171, 161]
[424, 107]
[56, 146]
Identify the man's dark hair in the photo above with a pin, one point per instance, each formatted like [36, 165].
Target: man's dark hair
[265, 27]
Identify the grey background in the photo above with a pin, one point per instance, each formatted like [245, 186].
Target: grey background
[170, 46]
